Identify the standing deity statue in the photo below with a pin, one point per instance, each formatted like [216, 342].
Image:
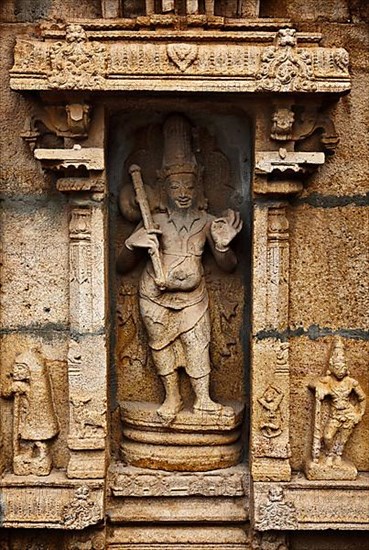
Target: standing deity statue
[34, 419]
[173, 298]
[346, 402]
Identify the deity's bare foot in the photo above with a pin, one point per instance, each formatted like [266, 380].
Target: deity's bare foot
[337, 460]
[169, 409]
[209, 406]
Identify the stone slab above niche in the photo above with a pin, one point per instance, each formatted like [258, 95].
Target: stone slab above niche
[91, 56]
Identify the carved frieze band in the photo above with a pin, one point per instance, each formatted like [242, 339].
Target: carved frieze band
[54, 505]
[133, 482]
[80, 63]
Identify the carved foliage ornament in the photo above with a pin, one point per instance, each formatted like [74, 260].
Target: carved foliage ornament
[182, 55]
[284, 67]
[83, 61]
[276, 512]
[82, 511]
[77, 63]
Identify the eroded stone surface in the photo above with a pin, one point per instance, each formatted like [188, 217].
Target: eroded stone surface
[309, 265]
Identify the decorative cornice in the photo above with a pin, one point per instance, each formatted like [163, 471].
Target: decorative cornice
[243, 61]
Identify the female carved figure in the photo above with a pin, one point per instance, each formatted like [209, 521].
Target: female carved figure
[34, 419]
[173, 298]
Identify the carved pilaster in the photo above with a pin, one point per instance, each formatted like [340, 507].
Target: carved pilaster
[270, 425]
[87, 348]
[279, 174]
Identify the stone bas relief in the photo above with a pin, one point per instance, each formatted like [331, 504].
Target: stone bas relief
[82, 511]
[87, 57]
[271, 421]
[195, 426]
[35, 423]
[269, 540]
[346, 407]
[276, 513]
[173, 298]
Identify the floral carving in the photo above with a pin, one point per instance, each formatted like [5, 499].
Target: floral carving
[82, 511]
[77, 63]
[276, 513]
[182, 55]
[286, 68]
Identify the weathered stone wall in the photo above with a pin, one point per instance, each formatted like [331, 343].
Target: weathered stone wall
[329, 258]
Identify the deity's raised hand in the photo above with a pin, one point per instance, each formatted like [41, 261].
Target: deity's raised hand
[224, 229]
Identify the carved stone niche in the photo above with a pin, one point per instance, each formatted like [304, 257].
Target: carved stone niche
[188, 325]
[84, 71]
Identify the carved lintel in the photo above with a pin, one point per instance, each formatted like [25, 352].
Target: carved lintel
[182, 55]
[29, 503]
[76, 62]
[341, 505]
[137, 61]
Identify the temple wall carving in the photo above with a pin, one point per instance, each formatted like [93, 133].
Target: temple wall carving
[184, 274]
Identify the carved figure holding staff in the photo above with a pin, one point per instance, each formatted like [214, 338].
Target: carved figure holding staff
[35, 422]
[173, 298]
[347, 402]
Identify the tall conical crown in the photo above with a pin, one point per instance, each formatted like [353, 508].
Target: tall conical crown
[178, 157]
[337, 351]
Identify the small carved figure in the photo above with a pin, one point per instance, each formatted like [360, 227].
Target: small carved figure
[34, 420]
[282, 122]
[270, 424]
[173, 297]
[347, 402]
[89, 422]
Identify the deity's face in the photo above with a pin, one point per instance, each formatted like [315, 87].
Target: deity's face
[20, 372]
[338, 367]
[181, 190]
